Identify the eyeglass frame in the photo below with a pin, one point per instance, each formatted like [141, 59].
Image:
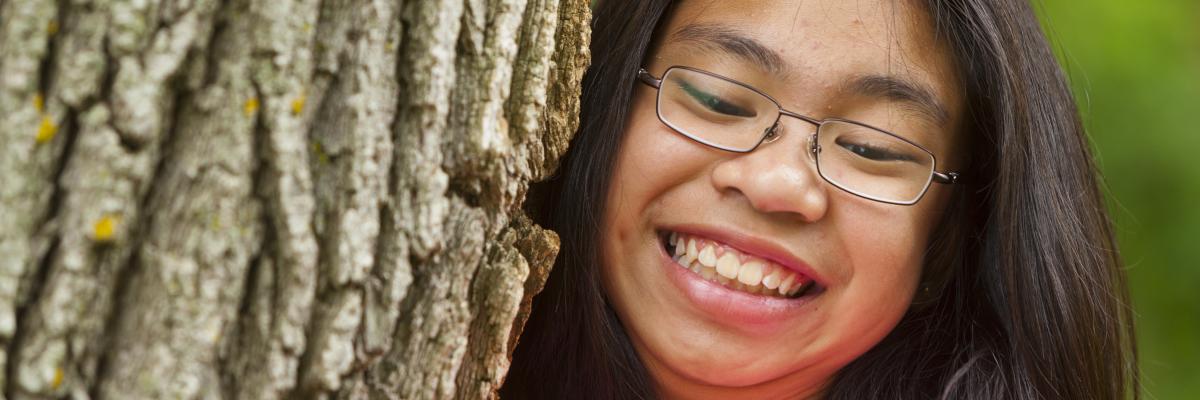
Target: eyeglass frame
[772, 134]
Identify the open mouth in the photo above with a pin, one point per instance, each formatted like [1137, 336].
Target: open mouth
[734, 269]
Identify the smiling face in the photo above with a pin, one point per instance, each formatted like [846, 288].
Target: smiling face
[790, 277]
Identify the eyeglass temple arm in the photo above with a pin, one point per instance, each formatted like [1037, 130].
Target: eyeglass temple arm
[648, 79]
[945, 177]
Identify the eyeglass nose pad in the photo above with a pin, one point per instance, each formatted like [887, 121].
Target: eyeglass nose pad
[813, 147]
[772, 133]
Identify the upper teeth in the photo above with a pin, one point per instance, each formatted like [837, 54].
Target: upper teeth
[734, 269]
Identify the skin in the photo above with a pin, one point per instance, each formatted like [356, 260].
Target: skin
[867, 254]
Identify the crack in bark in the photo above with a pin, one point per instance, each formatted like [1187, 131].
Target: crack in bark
[166, 143]
[43, 268]
[45, 226]
[123, 260]
[45, 69]
[112, 67]
[123, 282]
[46, 231]
[220, 24]
[126, 273]
[236, 368]
[42, 230]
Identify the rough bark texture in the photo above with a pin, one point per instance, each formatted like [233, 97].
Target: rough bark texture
[275, 199]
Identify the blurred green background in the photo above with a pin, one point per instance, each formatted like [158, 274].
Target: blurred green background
[1135, 67]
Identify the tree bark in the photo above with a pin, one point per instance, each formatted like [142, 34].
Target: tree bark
[265, 199]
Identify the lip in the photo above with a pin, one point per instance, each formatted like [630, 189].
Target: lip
[747, 244]
[752, 314]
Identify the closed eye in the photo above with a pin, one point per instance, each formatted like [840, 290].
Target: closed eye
[873, 153]
[715, 103]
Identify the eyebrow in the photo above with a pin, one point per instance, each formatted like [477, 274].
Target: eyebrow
[738, 44]
[902, 91]
[733, 42]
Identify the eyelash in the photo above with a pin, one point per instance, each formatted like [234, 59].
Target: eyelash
[714, 103]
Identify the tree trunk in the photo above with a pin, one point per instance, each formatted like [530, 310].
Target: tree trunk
[265, 199]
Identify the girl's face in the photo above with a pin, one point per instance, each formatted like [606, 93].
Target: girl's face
[853, 265]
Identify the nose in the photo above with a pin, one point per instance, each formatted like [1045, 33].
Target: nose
[777, 177]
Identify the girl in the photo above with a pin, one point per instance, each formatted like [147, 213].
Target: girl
[827, 199]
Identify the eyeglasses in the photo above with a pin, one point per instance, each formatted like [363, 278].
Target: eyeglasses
[858, 158]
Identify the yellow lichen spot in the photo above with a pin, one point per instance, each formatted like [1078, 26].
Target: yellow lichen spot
[46, 130]
[58, 378]
[105, 229]
[52, 27]
[251, 106]
[319, 152]
[298, 104]
[39, 102]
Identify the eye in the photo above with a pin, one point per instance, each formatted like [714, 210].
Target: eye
[873, 153]
[715, 103]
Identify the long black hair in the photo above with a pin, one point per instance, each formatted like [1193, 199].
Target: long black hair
[1026, 294]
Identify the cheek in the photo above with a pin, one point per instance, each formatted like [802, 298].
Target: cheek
[887, 249]
[887, 252]
[653, 163]
[884, 245]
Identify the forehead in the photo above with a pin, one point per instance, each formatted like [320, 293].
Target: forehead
[823, 44]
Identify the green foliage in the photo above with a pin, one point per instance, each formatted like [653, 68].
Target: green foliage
[1135, 69]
